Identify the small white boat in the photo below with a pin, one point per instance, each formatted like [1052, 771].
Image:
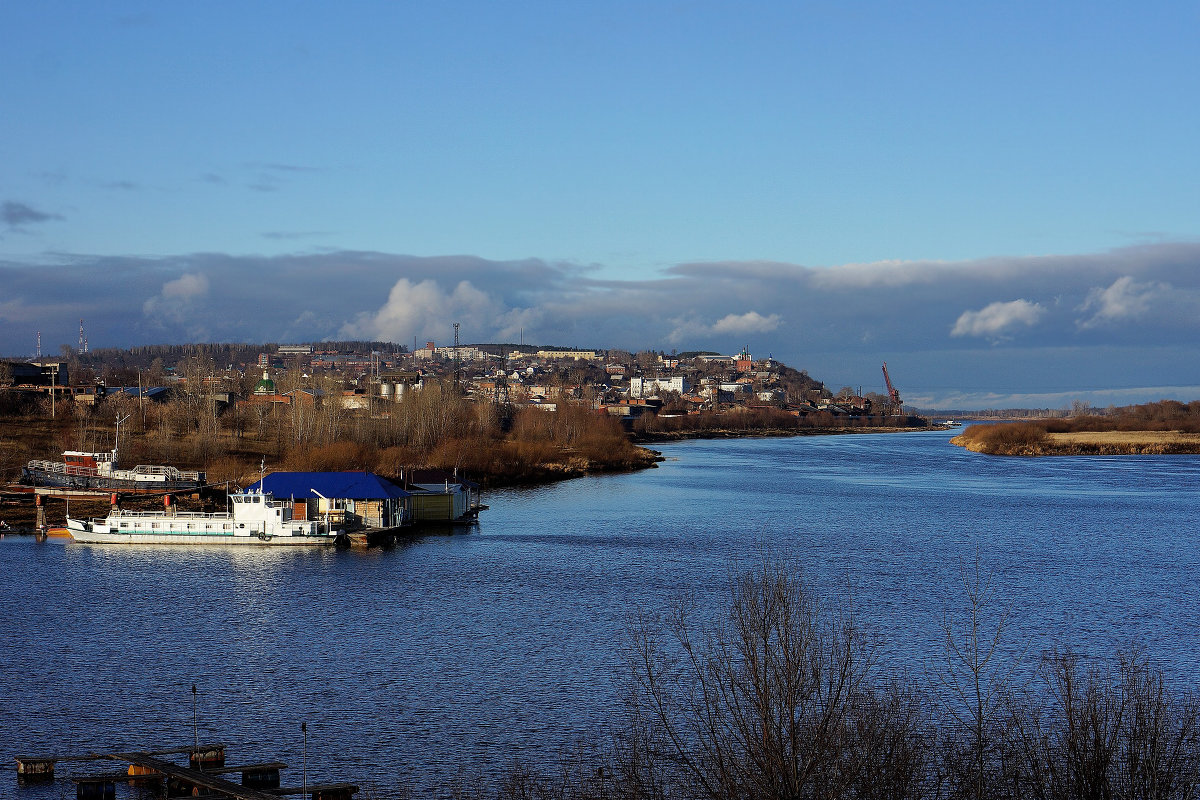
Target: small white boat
[256, 520]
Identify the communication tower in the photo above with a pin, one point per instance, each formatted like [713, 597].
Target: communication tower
[83, 347]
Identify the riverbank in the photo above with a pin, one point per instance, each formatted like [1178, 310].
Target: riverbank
[769, 433]
[1082, 443]
[574, 466]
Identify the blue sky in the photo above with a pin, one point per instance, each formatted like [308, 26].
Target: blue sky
[999, 199]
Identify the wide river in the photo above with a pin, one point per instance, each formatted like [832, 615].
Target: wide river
[454, 655]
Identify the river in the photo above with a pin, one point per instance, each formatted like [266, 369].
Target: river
[453, 655]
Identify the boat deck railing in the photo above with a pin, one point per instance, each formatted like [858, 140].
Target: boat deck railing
[177, 515]
[61, 468]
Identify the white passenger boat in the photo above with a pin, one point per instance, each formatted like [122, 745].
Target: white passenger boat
[256, 520]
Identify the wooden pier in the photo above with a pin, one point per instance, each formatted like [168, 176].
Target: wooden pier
[204, 776]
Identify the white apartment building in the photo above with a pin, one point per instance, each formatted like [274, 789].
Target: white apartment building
[646, 387]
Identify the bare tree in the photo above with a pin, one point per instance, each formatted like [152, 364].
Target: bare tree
[772, 701]
[1102, 731]
[974, 679]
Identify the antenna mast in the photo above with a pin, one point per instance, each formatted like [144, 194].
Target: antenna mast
[117, 438]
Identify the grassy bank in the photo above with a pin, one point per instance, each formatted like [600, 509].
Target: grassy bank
[1164, 428]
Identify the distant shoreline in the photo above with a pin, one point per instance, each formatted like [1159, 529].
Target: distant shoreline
[666, 437]
[1094, 443]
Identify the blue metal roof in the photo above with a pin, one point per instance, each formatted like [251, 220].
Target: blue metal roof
[338, 485]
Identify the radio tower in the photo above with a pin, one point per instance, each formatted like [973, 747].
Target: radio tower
[39, 345]
[82, 338]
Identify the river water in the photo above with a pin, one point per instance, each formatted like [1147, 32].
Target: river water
[454, 655]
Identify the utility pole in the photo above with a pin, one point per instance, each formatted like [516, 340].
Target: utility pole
[457, 362]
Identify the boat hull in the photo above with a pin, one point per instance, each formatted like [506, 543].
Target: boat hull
[90, 533]
[200, 538]
[41, 478]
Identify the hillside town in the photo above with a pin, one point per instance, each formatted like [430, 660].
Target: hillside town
[367, 377]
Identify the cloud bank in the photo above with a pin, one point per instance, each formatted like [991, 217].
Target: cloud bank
[990, 325]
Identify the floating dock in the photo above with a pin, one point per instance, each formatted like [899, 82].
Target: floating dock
[206, 774]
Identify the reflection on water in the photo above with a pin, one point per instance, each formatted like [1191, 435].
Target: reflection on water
[461, 652]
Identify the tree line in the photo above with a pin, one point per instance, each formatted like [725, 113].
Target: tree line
[437, 426]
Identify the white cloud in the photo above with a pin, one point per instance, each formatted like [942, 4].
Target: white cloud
[689, 327]
[998, 320]
[185, 287]
[177, 297]
[892, 273]
[750, 322]
[423, 309]
[686, 328]
[1125, 299]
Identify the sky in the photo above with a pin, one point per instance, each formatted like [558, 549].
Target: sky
[1000, 200]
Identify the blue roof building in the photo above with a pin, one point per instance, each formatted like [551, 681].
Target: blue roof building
[350, 498]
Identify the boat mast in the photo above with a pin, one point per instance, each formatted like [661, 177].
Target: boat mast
[117, 439]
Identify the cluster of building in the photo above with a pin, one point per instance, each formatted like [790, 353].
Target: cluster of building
[619, 383]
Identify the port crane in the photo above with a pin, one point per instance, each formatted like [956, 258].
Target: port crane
[893, 392]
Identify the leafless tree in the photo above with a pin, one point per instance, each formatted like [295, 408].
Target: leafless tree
[1102, 731]
[973, 681]
[772, 701]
